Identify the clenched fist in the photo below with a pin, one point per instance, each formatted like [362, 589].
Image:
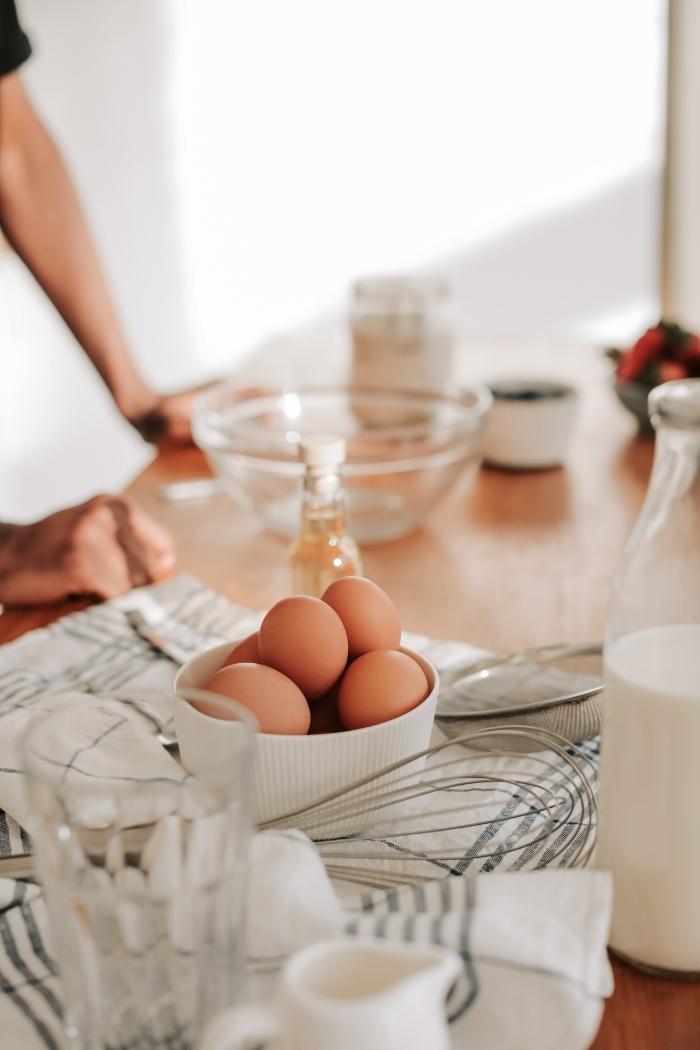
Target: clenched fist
[167, 422]
[101, 548]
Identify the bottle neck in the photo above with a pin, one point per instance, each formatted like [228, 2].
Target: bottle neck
[657, 581]
[676, 470]
[323, 503]
[673, 439]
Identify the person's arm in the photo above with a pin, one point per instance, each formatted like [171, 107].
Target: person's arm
[41, 217]
[102, 548]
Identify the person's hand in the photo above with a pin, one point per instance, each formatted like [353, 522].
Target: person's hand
[167, 423]
[101, 548]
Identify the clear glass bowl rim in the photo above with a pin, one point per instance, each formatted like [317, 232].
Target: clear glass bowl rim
[473, 400]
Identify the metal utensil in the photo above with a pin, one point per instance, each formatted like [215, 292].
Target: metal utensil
[484, 808]
[554, 687]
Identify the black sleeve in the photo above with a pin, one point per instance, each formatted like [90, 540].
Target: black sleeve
[14, 45]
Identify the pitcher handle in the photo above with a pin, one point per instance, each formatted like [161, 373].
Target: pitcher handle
[240, 1028]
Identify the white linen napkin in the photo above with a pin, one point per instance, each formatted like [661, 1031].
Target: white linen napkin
[127, 742]
[533, 945]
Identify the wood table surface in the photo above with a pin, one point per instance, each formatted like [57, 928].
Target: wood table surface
[507, 560]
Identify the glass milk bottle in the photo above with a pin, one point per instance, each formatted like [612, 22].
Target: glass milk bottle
[323, 551]
[649, 821]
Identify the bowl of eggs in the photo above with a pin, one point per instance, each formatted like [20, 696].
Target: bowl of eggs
[335, 696]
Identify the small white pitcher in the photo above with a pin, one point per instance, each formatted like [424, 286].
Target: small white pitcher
[349, 995]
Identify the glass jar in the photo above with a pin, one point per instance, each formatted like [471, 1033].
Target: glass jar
[649, 827]
[402, 333]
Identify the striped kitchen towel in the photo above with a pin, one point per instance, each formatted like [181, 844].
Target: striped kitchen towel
[535, 973]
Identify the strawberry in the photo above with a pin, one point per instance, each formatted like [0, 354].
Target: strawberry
[639, 357]
[672, 370]
[690, 351]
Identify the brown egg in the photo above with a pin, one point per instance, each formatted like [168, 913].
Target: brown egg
[277, 703]
[304, 638]
[369, 616]
[379, 686]
[244, 652]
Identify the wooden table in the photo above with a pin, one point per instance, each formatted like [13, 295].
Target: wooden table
[508, 560]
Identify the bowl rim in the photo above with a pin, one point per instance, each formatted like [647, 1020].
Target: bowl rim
[213, 439]
[506, 390]
[355, 733]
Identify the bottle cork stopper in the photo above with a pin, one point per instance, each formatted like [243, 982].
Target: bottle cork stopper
[322, 450]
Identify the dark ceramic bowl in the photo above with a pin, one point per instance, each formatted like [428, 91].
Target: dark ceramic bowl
[634, 397]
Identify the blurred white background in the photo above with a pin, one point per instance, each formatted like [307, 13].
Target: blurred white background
[240, 163]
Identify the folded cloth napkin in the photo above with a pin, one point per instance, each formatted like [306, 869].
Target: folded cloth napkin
[66, 753]
[97, 656]
[533, 945]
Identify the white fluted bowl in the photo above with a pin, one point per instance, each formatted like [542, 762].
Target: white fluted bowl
[295, 771]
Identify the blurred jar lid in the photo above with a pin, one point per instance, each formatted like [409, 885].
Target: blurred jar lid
[399, 294]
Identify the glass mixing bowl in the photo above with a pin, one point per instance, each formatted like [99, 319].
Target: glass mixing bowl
[405, 449]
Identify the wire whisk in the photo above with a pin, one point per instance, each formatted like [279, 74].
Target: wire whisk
[441, 810]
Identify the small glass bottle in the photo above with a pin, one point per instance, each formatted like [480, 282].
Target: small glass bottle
[323, 551]
[649, 825]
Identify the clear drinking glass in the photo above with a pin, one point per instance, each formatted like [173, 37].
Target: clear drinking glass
[143, 865]
[649, 834]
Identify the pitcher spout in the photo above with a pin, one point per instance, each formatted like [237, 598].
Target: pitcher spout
[372, 969]
[440, 969]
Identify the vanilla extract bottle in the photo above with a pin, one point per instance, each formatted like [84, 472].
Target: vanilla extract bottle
[324, 550]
